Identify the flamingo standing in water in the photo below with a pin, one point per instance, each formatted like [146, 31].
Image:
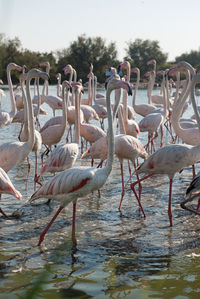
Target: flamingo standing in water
[13, 153]
[171, 159]
[53, 134]
[74, 183]
[6, 187]
[23, 136]
[154, 120]
[141, 109]
[64, 156]
[7, 117]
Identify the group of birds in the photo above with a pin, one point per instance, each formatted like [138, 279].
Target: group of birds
[163, 110]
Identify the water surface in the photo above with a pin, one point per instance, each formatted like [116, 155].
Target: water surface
[119, 255]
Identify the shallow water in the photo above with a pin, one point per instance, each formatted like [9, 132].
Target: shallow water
[119, 255]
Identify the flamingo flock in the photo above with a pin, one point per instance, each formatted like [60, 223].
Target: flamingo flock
[90, 124]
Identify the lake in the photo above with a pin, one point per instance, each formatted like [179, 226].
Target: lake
[119, 255]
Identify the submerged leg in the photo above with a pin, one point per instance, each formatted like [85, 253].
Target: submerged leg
[48, 225]
[169, 204]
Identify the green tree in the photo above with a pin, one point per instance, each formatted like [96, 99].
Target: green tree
[193, 57]
[141, 51]
[86, 50]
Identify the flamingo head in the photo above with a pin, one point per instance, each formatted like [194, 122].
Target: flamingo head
[115, 83]
[68, 69]
[152, 61]
[13, 66]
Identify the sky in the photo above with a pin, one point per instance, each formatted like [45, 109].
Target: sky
[51, 25]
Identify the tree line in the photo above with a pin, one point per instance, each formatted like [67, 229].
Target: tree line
[86, 50]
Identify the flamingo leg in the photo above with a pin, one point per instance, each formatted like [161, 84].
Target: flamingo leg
[138, 199]
[161, 136]
[28, 175]
[3, 213]
[35, 179]
[169, 204]
[198, 205]
[123, 190]
[73, 224]
[48, 225]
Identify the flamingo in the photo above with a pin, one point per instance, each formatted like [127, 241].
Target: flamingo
[126, 65]
[126, 147]
[6, 187]
[18, 97]
[59, 85]
[153, 121]
[74, 183]
[25, 133]
[131, 126]
[64, 156]
[171, 158]
[7, 117]
[189, 135]
[55, 102]
[13, 153]
[141, 109]
[53, 134]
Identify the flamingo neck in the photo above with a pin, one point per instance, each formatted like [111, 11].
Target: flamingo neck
[121, 122]
[77, 119]
[89, 91]
[117, 101]
[178, 107]
[31, 137]
[110, 134]
[125, 108]
[12, 98]
[65, 97]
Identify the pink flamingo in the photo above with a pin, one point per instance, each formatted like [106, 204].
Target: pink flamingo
[74, 183]
[141, 109]
[59, 85]
[23, 136]
[64, 156]
[126, 65]
[13, 153]
[55, 102]
[126, 147]
[6, 187]
[131, 126]
[153, 121]
[7, 117]
[189, 135]
[53, 134]
[172, 158]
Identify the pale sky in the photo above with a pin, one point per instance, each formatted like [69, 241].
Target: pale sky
[49, 25]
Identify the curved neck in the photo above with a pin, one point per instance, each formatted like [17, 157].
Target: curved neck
[136, 88]
[12, 98]
[178, 107]
[31, 137]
